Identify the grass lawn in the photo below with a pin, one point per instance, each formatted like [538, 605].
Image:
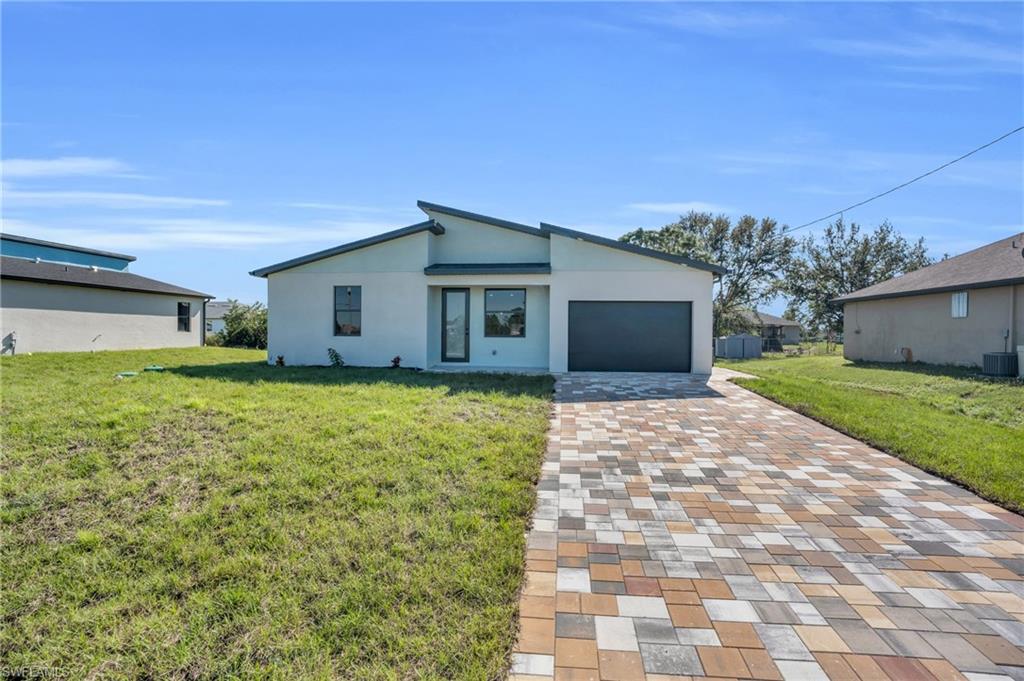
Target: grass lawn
[226, 518]
[945, 420]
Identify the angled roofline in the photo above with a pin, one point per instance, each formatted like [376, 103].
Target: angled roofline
[995, 283]
[67, 247]
[476, 217]
[488, 268]
[426, 225]
[59, 274]
[630, 248]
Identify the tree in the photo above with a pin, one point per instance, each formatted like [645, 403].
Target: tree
[844, 261]
[245, 325]
[755, 253]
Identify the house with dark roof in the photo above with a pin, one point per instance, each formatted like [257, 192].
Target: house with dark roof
[215, 311]
[59, 297]
[775, 331]
[462, 290]
[951, 312]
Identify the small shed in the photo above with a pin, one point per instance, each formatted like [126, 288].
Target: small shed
[738, 346]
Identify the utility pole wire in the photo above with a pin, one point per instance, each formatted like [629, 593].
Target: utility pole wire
[908, 182]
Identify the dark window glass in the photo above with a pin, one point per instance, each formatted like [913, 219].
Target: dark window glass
[505, 312]
[184, 316]
[348, 310]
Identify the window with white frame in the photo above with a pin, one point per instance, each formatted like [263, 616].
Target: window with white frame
[959, 304]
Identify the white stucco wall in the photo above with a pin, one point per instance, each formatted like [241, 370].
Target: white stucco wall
[300, 304]
[465, 241]
[56, 318]
[585, 271]
[529, 351]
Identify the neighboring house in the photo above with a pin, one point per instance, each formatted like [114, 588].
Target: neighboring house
[215, 310]
[774, 331]
[948, 313]
[462, 290]
[57, 297]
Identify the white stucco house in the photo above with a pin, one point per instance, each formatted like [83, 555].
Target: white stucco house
[468, 291]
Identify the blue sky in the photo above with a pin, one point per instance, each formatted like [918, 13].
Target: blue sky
[210, 139]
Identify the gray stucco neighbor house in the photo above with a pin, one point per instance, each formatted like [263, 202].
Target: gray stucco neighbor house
[951, 312]
[462, 290]
[59, 297]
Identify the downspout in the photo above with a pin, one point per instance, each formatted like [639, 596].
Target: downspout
[202, 324]
[1012, 334]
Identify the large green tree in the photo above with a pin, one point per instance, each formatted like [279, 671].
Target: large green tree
[245, 325]
[755, 253]
[841, 260]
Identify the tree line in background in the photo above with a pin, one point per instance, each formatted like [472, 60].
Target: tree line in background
[245, 326]
[764, 262]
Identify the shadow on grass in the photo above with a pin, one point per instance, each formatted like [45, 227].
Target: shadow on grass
[261, 372]
[947, 370]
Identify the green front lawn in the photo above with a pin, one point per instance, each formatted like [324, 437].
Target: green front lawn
[945, 420]
[226, 518]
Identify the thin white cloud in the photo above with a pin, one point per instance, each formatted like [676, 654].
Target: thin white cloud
[680, 207]
[64, 166]
[149, 234]
[351, 209]
[822, 190]
[926, 86]
[974, 19]
[948, 49]
[878, 165]
[119, 200]
[718, 22]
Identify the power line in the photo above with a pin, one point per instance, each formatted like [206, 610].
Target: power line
[908, 182]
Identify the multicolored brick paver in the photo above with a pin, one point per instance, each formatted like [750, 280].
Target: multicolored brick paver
[692, 529]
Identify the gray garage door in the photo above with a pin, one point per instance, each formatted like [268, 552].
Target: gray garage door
[629, 336]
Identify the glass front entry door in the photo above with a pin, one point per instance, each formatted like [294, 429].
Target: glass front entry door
[455, 325]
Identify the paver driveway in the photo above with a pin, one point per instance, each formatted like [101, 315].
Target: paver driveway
[691, 529]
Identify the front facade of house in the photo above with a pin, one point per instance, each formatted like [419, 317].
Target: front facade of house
[64, 298]
[467, 291]
[952, 312]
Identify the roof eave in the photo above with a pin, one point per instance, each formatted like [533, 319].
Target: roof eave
[183, 293]
[427, 207]
[854, 298]
[717, 270]
[427, 225]
[470, 269]
[66, 247]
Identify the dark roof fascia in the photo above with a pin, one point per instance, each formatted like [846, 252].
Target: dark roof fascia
[47, 278]
[476, 217]
[488, 268]
[427, 225]
[183, 293]
[67, 247]
[927, 291]
[630, 248]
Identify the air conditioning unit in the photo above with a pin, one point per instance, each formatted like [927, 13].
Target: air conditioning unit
[999, 363]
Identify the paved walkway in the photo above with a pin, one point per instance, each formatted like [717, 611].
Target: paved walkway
[690, 529]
